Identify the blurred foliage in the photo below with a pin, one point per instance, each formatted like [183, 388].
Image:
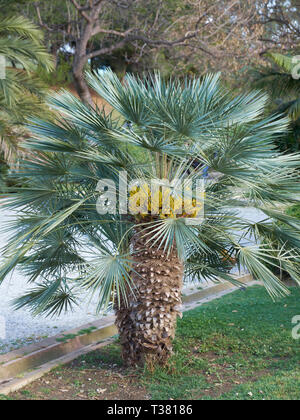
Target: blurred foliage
[61, 76]
[3, 175]
[284, 90]
[9, 7]
[21, 93]
[294, 211]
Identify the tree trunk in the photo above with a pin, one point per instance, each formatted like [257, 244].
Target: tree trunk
[147, 323]
[80, 60]
[81, 85]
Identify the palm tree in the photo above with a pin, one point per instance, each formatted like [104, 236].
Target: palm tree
[284, 90]
[65, 239]
[21, 93]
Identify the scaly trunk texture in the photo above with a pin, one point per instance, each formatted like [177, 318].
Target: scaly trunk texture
[147, 323]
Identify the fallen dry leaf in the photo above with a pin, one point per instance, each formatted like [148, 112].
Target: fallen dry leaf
[101, 391]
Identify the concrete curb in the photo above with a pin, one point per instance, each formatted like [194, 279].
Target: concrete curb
[14, 384]
[20, 367]
[245, 279]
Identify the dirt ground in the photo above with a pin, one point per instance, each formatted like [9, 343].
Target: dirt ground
[96, 98]
[89, 384]
[81, 380]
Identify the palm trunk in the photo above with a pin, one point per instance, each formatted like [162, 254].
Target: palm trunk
[147, 322]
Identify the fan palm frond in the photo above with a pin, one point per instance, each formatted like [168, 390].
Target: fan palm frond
[60, 234]
[21, 93]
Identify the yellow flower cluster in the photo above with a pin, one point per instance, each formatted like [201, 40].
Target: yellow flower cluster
[163, 202]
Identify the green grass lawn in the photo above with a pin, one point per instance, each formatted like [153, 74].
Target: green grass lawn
[237, 347]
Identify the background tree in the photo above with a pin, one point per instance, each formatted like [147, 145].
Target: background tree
[13, 7]
[136, 262]
[189, 36]
[281, 22]
[99, 28]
